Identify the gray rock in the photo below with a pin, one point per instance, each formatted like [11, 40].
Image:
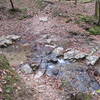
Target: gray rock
[26, 69]
[71, 54]
[13, 37]
[8, 40]
[51, 46]
[92, 59]
[95, 86]
[80, 55]
[43, 19]
[58, 51]
[5, 42]
[52, 59]
[48, 41]
[38, 74]
[74, 54]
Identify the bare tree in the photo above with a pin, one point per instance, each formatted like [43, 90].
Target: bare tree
[12, 4]
[96, 4]
[97, 10]
[99, 13]
[75, 2]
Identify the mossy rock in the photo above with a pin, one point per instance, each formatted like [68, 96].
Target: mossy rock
[95, 30]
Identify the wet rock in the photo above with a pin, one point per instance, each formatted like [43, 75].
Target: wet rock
[43, 67]
[26, 69]
[54, 60]
[58, 51]
[43, 19]
[52, 71]
[61, 61]
[94, 85]
[83, 82]
[8, 40]
[92, 59]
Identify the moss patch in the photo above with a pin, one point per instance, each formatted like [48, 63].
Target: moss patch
[83, 96]
[87, 19]
[95, 30]
[8, 79]
[85, 1]
[4, 62]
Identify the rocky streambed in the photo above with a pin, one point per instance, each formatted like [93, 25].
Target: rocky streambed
[71, 65]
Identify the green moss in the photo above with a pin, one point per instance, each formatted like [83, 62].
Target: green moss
[10, 78]
[87, 19]
[14, 10]
[65, 83]
[95, 30]
[98, 91]
[24, 17]
[88, 97]
[83, 96]
[85, 1]
[8, 89]
[4, 62]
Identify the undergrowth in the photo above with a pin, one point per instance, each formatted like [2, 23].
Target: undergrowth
[95, 30]
[8, 79]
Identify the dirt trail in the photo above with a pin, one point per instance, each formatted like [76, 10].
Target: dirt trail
[43, 88]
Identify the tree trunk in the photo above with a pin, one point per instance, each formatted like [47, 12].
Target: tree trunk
[12, 4]
[99, 13]
[75, 2]
[96, 8]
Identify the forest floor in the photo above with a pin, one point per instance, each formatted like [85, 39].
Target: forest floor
[58, 24]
